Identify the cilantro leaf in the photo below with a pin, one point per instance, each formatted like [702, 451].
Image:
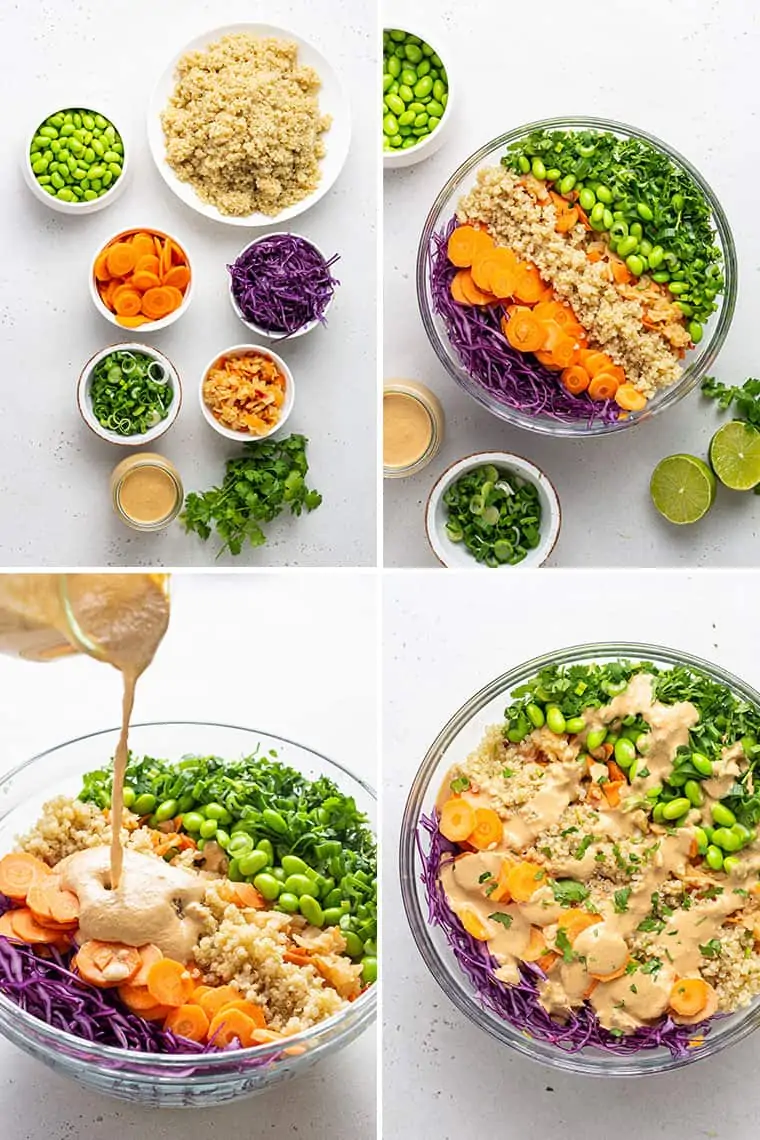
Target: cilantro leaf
[504, 919]
[568, 891]
[621, 899]
[711, 949]
[562, 943]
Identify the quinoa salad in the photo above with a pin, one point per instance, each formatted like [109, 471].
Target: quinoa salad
[246, 912]
[577, 275]
[595, 864]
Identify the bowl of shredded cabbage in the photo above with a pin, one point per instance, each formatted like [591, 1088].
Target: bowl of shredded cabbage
[576, 276]
[580, 862]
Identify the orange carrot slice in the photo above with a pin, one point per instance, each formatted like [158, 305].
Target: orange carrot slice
[131, 322]
[6, 927]
[536, 946]
[143, 246]
[213, 1001]
[148, 263]
[101, 266]
[188, 1021]
[178, 276]
[603, 386]
[26, 927]
[529, 287]
[524, 879]
[488, 830]
[246, 895]
[107, 963]
[142, 279]
[630, 398]
[229, 1024]
[457, 292]
[688, 996]
[149, 955]
[136, 998]
[120, 258]
[573, 921]
[524, 332]
[457, 819]
[18, 872]
[575, 379]
[250, 1009]
[170, 982]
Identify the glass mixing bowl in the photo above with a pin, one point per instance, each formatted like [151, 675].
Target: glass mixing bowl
[157, 1079]
[697, 362]
[456, 740]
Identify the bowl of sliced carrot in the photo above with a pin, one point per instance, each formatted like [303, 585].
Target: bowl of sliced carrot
[141, 278]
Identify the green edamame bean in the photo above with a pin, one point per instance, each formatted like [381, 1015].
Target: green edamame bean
[423, 69]
[722, 815]
[311, 910]
[742, 833]
[607, 219]
[241, 844]
[332, 915]
[535, 715]
[644, 211]
[394, 66]
[524, 164]
[655, 257]
[57, 180]
[714, 858]
[553, 174]
[604, 194]
[423, 87]
[702, 841]
[394, 88]
[97, 171]
[421, 119]
[387, 80]
[89, 155]
[301, 885]
[406, 95]
[575, 725]
[730, 863]
[416, 107]
[395, 104]
[696, 332]
[538, 169]
[657, 812]
[251, 862]
[587, 198]
[635, 264]
[694, 793]
[214, 811]
[88, 121]
[128, 796]
[405, 120]
[96, 183]
[48, 132]
[66, 195]
[192, 821]
[627, 246]
[439, 91]
[234, 874]
[369, 970]
[596, 738]
[77, 119]
[702, 764]
[271, 818]
[434, 108]
[555, 720]
[354, 944]
[567, 184]
[115, 169]
[166, 810]
[390, 125]
[726, 839]
[279, 874]
[293, 865]
[676, 808]
[267, 885]
[208, 829]
[412, 52]
[334, 898]
[625, 752]
[288, 902]
[145, 804]
[266, 846]
[409, 76]
[222, 838]
[597, 213]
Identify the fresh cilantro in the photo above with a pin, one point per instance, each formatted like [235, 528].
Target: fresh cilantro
[650, 924]
[651, 966]
[504, 919]
[568, 831]
[490, 889]
[459, 784]
[712, 892]
[568, 892]
[745, 400]
[621, 898]
[583, 846]
[643, 773]
[486, 875]
[634, 988]
[257, 486]
[711, 949]
[562, 943]
[508, 773]
[741, 891]
[632, 966]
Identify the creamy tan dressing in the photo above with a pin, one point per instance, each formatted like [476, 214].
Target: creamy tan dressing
[466, 893]
[155, 902]
[725, 772]
[559, 787]
[148, 494]
[618, 1006]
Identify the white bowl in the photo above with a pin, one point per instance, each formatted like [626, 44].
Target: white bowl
[287, 407]
[456, 554]
[84, 396]
[396, 159]
[332, 101]
[149, 326]
[259, 329]
[111, 195]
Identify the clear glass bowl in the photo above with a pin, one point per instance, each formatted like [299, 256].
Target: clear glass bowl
[156, 1079]
[697, 362]
[456, 740]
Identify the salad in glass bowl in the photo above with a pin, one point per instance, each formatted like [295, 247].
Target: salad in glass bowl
[582, 873]
[576, 276]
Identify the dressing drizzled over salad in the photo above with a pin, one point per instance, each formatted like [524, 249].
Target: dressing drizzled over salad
[600, 846]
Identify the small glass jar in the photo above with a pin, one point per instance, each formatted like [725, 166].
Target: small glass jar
[138, 504]
[408, 447]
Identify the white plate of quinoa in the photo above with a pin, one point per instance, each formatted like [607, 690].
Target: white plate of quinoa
[243, 161]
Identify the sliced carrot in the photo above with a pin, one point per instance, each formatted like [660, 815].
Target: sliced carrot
[148, 263]
[501, 891]
[175, 295]
[547, 960]
[142, 279]
[107, 963]
[246, 895]
[611, 792]
[457, 292]
[564, 352]
[101, 268]
[127, 302]
[178, 276]
[298, 957]
[158, 249]
[616, 772]
[213, 1001]
[230, 1024]
[473, 925]
[482, 266]
[156, 1012]
[536, 947]
[573, 921]
[548, 361]
[121, 258]
[199, 992]
[143, 246]
[474, 294]
[18, 872]
[133, 323]
[566, 220]
[136, 998]
[111, 288]
[594, 256]
[524, 879]
[630, 398]
[6, 927]
[149, 955]
[457, 819]
[621, 274]
[64, 906]
[166, 258]
[170, 982]
[38, 903]
[524, 332]
[188, 1021]
[575, 379]
[29, 930]
[462, 246]
[488, 830]
[594, 361]
[529, 286]
[250, 1009]
[603, 386]
[156, 304]
[688, 996]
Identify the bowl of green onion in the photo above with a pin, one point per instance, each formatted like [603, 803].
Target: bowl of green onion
[129, 394]
[493, 510]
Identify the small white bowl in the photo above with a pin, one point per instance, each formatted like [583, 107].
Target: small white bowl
[456, 554]
[84, 396]
[111, 195]
[287, 407]
[396, 159]
[149, 326]
[259, 329]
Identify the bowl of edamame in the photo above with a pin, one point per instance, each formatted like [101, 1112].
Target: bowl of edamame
[75, 161]
[416, 97]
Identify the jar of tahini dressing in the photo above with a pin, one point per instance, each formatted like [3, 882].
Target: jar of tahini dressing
[413, 426]
[147, 491]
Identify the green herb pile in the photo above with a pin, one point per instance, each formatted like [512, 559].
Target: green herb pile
[559, 695]
[130, 392]
[496, 515]
[654, 214]
[302, 843]
[269, 476]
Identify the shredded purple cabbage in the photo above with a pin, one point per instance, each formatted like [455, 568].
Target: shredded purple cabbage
[283, 283]
[513, 378]
[519, 1004]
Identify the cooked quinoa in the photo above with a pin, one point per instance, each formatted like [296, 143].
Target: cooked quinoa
[611, 314]
[243, 126]
[68, 825]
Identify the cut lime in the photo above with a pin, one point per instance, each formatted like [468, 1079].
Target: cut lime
[735, 455]
[682, 488]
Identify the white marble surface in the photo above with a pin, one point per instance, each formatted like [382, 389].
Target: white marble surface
[55, 508]
[678, 69]
[315, 634]
[441, 1073]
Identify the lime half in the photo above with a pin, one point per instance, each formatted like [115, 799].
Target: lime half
[682, 488]
[735, 455]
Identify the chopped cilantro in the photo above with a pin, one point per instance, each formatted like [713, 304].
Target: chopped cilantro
[711, 949]
[484, 876]
[567, 892]
[583, 846]
[562, 943]
[651, 966]
[568, 831]
[621, 898]
[651, 924]
[504, 919]
[508, 773]
[634, 988]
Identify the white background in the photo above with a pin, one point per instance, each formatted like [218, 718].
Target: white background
[681, 69]
[312, 639]
[55, 507]
[443, 641]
